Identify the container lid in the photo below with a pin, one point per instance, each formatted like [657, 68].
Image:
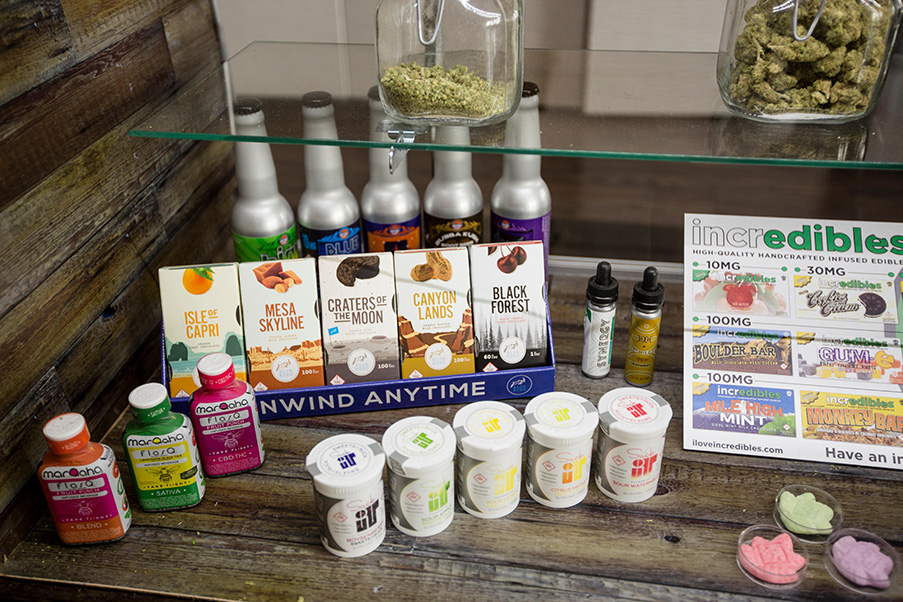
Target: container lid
[344, 464]
[66, 433]
[485, 428]
[632, 414]
[560, 419]
[149, 401]
[215, 370]
[418, 445]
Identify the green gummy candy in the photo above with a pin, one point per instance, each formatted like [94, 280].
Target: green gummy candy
[805, 515]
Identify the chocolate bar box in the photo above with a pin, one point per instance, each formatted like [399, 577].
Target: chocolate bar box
[201, 314]
[360, 325]
[509, 308]
[282, 324]
[435, 320]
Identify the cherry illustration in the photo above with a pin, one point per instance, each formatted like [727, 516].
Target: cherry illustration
[740, 295]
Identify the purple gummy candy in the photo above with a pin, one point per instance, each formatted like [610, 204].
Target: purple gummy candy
[862, 562]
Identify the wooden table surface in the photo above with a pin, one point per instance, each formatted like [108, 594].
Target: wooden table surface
[255, 537]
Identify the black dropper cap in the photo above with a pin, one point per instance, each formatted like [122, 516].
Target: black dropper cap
[649, 294]
[602, 289]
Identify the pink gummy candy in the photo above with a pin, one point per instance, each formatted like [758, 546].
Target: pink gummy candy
[772, 561]
[862, 562]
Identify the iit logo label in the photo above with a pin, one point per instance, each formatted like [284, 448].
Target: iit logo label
[283, 240]
[347, 461]
[636, 410]
[520, 384]
[422, 440]
[457, 224]
[505, 224]
[344, 233]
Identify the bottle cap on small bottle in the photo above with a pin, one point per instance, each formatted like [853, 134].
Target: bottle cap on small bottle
[529, 89]
[650, 293]
[66, 433]
[316, 100]
[215, 370]
[149, 401]
[602, 289]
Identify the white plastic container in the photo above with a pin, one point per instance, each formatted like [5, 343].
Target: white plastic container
[490, 438]
[560, 429]
[632, 426]
[347, 472]
[421, 455]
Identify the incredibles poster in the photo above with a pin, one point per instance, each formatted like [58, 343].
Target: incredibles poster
[792, 332]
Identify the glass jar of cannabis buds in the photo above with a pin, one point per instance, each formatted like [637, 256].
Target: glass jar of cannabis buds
[450, 62]
[806, 60]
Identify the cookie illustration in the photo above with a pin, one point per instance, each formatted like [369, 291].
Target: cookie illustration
[874, 304]
[436, 266]
[354, 268]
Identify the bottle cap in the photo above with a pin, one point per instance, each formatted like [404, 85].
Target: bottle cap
[559, 419]
[602, 289]
[215, 370]
[373, 93]
[650, 293]
[345, 464]
[633, 415]
[316, 100]
[529, 89]
[419, 445]
[487, 428]
[66, 433]
[149, 401]
[247, 105]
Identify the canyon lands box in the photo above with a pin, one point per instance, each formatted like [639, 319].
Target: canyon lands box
[282, 325]
[509, 306]
[435, 321]
[360, 326]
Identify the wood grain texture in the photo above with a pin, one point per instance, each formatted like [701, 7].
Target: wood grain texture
[191, 37]
[97, 24]
[34, 45]
[50, 124]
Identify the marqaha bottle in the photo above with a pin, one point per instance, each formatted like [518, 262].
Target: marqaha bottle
[225, 418]
[263, 223]
[162, 452]
[327, 212]
[82, 484]
[390, 204]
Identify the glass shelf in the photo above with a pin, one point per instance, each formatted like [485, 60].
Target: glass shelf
[603, 104]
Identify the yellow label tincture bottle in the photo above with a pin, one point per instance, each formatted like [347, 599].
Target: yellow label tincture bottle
[645, 321]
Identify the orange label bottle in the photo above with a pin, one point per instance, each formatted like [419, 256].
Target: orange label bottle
[82, 484]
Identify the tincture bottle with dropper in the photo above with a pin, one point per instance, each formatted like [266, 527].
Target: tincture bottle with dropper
[162, 452]
[224, 415]
[521, 202]
[599, 322]
[82, 484]
[453, 201]
[645, 321]
[327, 212]
[263, 223]
[390, 204]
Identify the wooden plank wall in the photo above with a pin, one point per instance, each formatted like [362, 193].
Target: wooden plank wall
[88, 213]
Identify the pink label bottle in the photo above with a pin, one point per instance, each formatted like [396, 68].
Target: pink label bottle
[225, 419]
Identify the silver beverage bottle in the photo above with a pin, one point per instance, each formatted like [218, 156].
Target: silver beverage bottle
[263, 223]
[453, 201]
[599, 321]
[390, 204]
[327, 212]
[521, 205]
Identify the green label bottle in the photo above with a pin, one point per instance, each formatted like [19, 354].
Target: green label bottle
[162, 452]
